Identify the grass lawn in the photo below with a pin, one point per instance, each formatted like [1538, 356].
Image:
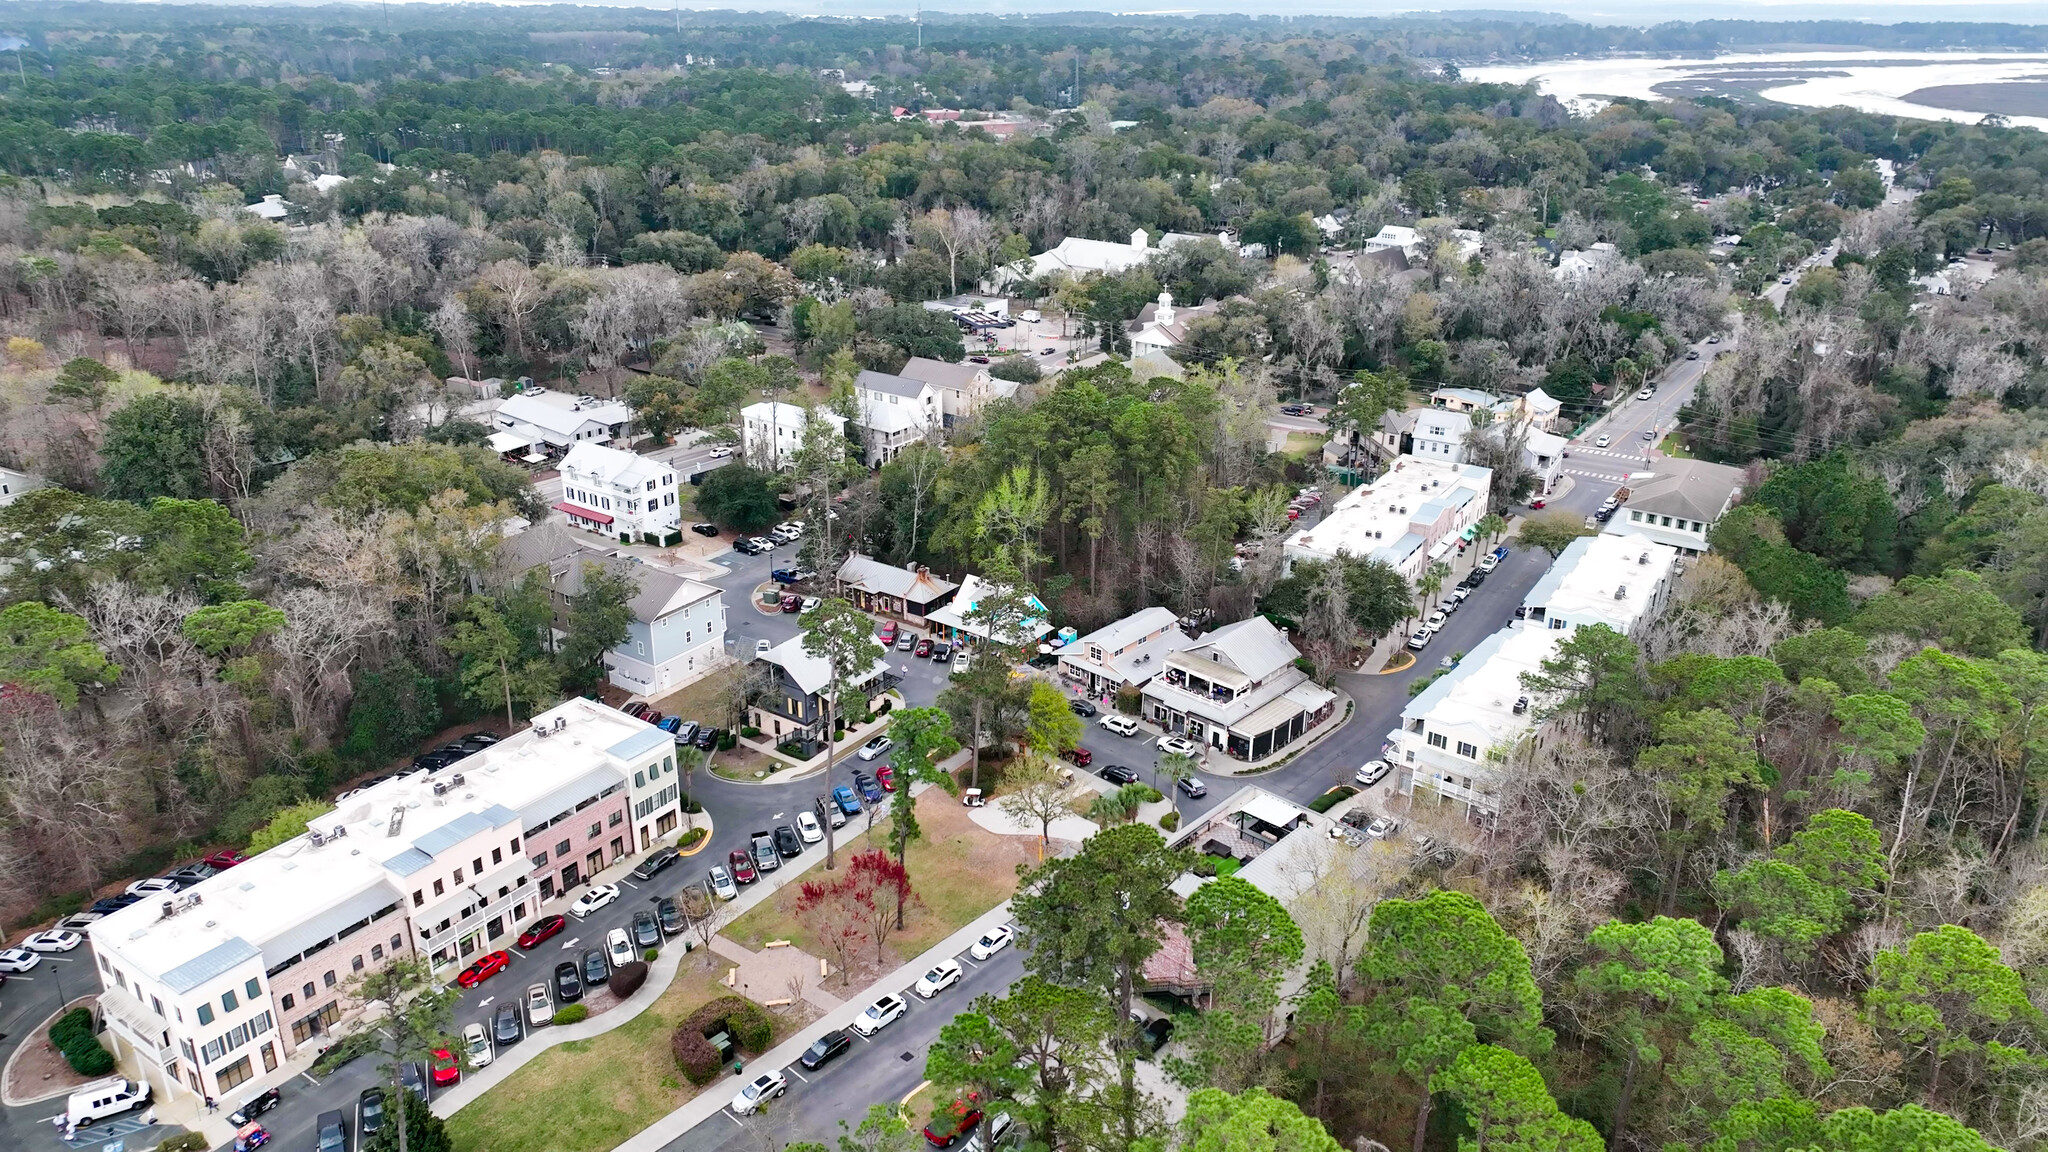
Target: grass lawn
[591, 1095]
[703, 701]
[1304, 444]
[1675, 448]
[958, 869]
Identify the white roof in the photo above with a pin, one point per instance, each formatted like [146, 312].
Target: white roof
[1378, 520]
[954, 613]
[280, 901]
[1077, 256]
[1582, 585]
[328, 182]
[612, 465]
[877, 415]
[788, 415]
[502, 442]
[559, 413]
[812, 673]
[1475, 701]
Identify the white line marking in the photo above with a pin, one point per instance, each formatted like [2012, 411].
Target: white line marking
[798, 1075]
[727, 1113]
[308, 1078]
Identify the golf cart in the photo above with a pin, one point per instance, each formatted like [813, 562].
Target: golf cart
[972, 798]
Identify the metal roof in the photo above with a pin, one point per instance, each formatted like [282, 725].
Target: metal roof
[641, 743]
[408, 862]
[327, 922]
[590, 783]
[213, 962]
[462, 828]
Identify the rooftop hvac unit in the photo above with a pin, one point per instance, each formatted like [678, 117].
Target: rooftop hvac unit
[440, 787]
[170, 909]
[397, 820]
[1643, 559]
[316, 836]
[456, 780]
[561, 722]
[1621, 593]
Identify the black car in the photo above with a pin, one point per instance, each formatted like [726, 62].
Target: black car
[330, 1133]
[595, 970]
[478, 741]
[1157, 1033]
[432, 761]
[829, 1045]
[745, 546]
[252, 1108]
[1118, 774]
[788, 842]
[646, 933]
[506, 1027]
[1081, 708]
[706, 737]
[704, 529]
[115, 903]
[412, 1076]
[672, 919]
[568, 983]
[454, 751]
[369, 1112]
[655, 862]
[1473, 579]
[866, 786]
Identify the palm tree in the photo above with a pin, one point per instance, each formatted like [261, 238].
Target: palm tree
[1174, 768]
[1432, 581]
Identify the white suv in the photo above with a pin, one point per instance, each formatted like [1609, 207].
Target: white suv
[1120, 724]
[1178, 746]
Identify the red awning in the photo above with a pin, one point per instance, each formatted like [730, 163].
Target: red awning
[586, 513]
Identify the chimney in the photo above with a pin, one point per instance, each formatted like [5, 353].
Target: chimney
[1138, 240]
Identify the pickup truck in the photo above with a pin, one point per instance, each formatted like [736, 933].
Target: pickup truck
[766, 858]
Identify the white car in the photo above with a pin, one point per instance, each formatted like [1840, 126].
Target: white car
[1120, 724]
[762, 646]
[1488, 562]
[619, 946]
[1602, 442]
[152, 887]
[53, 941]
[721, 883]
[993, 942]
[1420, 639]
[540, 1011]
[1371, 772]
[1437, 618]
[18, 960]
[476, 1046]
[761, 1089]
[811, 603]
[721, 451]
[1178, 746]
[594, 899]
[880, 1015]
[879, 746]
[807, 827]
[1645, 394]
[962, 663]
[943, 975]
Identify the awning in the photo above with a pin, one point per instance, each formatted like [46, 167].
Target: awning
[586, 513]
[1437, 552]
[1469, 533]
[502, 442]
[534, 457]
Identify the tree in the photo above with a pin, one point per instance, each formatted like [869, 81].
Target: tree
[661, 406]
[912, 330]
[842, 636]
[1038, 1049]
[1253, 1121]
[885, 885]
[1175, 767]
[1094, 918]
[1829, 512]
[48, 651]
[1553, 531]
[424, 1132]
[1033, 794]
[836, 911]
[600, 619]
[1053, 728]
[1641, 991]
[739, 497]
[1946, 995]
[883, 1129]
[1957, 610]
[1439, 974]
[1361, 403]
[219, 629]
[1699, 761]
[155, 446]
[1243, 944]
[419, 1018]
[287, 824]
[494, 665]
[85, 379]
[1909, 1128]
[1507, 1106]
[923, 738]
[1594, 673]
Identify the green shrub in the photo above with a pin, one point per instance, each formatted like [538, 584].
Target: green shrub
[1170, 821]
[77, 1022]
[185, 1142]
[651, 955]
[1332, 798]
[692, 838]
[727, 741]
[572, 1014]
[1145, 793]
[95, 1061]
[56, 906]
[737, 1017]
[749, 732]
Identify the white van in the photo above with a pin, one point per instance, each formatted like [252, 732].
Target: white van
[103, 1098]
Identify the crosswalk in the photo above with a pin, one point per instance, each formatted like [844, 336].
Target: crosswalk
[1609, 476]
[1611, 453]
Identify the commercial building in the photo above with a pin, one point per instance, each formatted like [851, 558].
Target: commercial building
[955, 619]
[772, 433]
[218, 985]
[907, 594]
[1613, 580]
[1162, 327]
[620, 494]
[1414, 513]
[1125, 654]
[1237, 690]
[551, 423]
[1680, 505]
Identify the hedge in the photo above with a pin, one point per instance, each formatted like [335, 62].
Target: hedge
[72, 1035]
[1332, 798]
[185, 1142]
[1170, 821]
[573, 1014]
[737, 1016]
[692, 838]
[627, 978]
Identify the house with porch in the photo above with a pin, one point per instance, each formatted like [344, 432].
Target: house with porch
[1238, 691]
[676, 635]
[553, 422]
[792, 707]
[906, 594]
[955, 619]
[1125, 654]
[962, 388]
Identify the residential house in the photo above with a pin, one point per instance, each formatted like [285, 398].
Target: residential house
[1541, 409]
[772, 433]
[1415, 513]
[1125, 654]
[1575, 264]
[1440, 435]
[962, 388]
[676, 635]
[792, 707]
[1076, 257]
[1680, 505]
[554, 422]
[893, 412]
[955, 619]
[1463, 399]
[620, 494]
[1543, 454]
[15, 483]
[211, 991]
[906, 594]
[273, 208]
[1238, 690]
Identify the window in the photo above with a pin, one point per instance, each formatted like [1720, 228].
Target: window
[477, 866]
[356, 965]
[234, 1073]
[539, 858]
[1468, 751]
[617, 819]
[206, 1013]
[397, 942]
[497, 857]
[438, 889]
[1557, 624]
[1437, 740]
[307, 991]
[514, 847]
[417, 898]
[562, 849]
[254, 989]
[376, 951]
[458, 875]
[327, 978]
[157, 1004]
[228, 1003]
[594, 830]
[639, 779]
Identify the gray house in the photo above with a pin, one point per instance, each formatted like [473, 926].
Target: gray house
[793, 705]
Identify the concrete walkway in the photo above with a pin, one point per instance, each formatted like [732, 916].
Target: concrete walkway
[785, 973]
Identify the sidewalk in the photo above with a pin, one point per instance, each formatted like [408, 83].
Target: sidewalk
[717, 1094]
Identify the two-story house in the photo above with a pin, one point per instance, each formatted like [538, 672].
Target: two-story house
[1680, 505]
[1125, 654]
[893, 412]
[1414, 513]
[620, 494]
[1238, 691]
[962, 388]
[772, 432]
[792, 707]
[908, 594]
[676, 635]
[554, 422]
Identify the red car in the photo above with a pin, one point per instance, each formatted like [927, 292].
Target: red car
[886, 777]
[486, 966]
[742, 866]
[924, 648]
[1535, 505]
[957, 1121]
[636, 709]
[447, 1069]
[791, 602]
[225, 858]
[888, 635]
[540, 930]
[1080, 756]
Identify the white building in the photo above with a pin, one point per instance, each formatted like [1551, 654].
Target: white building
[893, 412]
[1414, 513]
[772, 433]
[1124, 654]
[620, 494]
[1440, 435]
[1680, 506]
[1455, 734]
[1237, 690]
[956, 619]
[217, 986]
[1575, 264]
[962, 388]
[1076, 257]
[1161, 327]
[14, 484]
[1413, 244]
[553, 422]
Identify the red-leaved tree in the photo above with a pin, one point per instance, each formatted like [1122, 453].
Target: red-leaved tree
[886, 883]
[837, 911]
